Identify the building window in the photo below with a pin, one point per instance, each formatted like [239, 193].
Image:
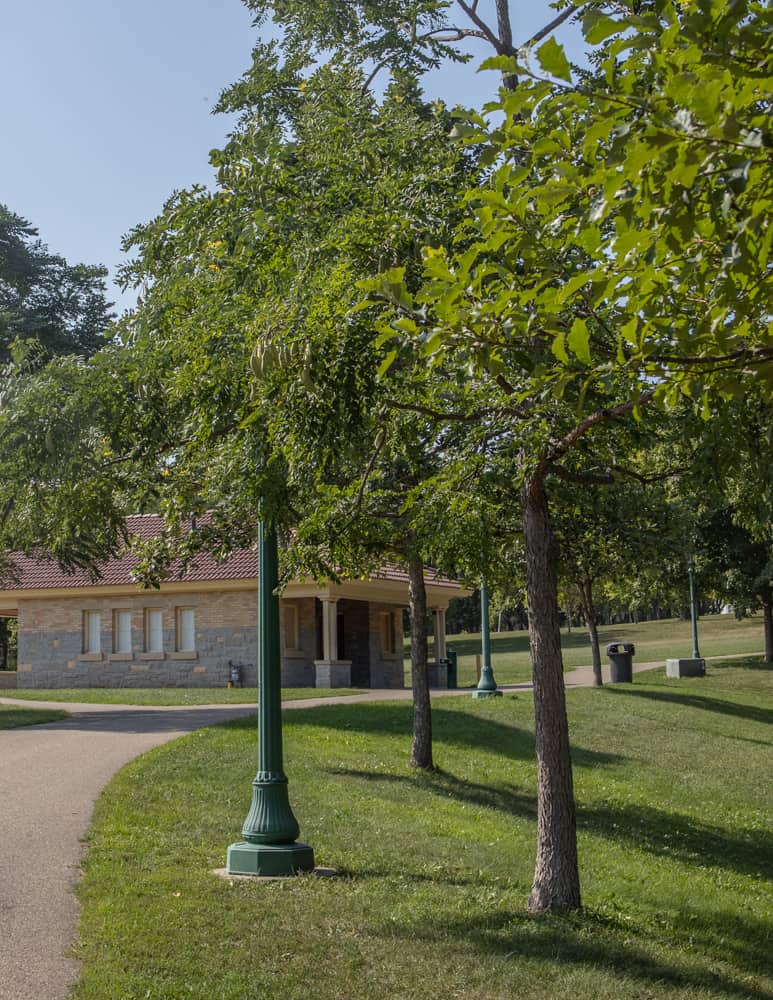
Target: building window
[92, 632]
[122, 631]
[290, 627]
[154, 630]
[186, 630]
[388, 633]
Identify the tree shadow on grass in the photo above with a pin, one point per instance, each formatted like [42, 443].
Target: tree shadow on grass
[504, 798]
[450, 728]
[701, 702]
[588, 940]
[661, 833]
[749, 663]
[668, 834]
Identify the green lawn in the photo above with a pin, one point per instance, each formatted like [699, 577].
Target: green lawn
[166, 696]
[11, 717]
[674, 804]
[719, 635]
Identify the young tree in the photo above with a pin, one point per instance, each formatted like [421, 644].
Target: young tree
[617, 258]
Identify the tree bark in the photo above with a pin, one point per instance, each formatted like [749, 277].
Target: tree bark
[589, 612]
[556, 883]
[421, 747]
[767, 620]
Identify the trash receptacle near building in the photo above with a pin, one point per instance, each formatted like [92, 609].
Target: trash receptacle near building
[621, 662]
[453, 678]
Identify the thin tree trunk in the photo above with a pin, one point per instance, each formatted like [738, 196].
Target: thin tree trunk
[589, 611]
[556, 883]
[421, 748]
[767, 619]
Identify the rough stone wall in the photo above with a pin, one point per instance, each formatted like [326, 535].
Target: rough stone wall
[298, 661]
[51, 642]
[386, 669]
[356, 640]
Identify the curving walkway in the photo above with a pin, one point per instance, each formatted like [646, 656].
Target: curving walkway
[50, 777]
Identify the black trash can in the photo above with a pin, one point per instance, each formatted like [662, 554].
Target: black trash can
[621, 662]
[453, 680]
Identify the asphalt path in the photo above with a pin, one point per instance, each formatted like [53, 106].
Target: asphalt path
[50, 777]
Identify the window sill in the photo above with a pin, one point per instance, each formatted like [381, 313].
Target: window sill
[119, 656]
[184, 654]
[294, 654]
[157, 655]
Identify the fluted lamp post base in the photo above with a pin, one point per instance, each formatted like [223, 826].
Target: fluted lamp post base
[269, 860]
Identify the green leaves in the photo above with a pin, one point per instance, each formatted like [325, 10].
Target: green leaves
[553, 60]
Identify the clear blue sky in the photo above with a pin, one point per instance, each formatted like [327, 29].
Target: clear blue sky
[106, 108]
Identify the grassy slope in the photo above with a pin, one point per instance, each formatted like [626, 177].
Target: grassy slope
[11, 717]
[674, 800]
[719, 635]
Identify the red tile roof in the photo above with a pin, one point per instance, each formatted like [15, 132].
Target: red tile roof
[41, 573]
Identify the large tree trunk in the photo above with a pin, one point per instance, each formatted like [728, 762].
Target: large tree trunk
[767, 619]
[421, 748]
[556, 883]
[589, 613]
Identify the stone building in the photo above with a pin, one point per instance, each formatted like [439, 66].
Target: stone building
[77, 632]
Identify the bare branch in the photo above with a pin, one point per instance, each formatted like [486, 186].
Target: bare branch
[555, 23]
[470, 9]
[373, 75]
[747, 355]
[589, 478]
[379, 444]
[427, 411]
[560, 448]
[453, 34]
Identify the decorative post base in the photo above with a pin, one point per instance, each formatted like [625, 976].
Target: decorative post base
[487, 686]
[686, 667]
[482, 693]
[272, 860]
[333, 673]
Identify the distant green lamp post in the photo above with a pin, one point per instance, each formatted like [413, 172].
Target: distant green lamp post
[270, 830]
[693, 610]
[487, 686]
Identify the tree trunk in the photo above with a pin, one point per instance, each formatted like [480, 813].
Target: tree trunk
[421, 748]
[589, 611]
[767, 619]
[556, 883]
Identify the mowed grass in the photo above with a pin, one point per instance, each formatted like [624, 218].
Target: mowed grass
[719, 635]
[672, 781]
[12, 717]
[167, 696]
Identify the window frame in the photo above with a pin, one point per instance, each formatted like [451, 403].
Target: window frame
[117, 649]
[387, 633]
[148, 616]
[179, 630]
[88, 648]
[291, 630]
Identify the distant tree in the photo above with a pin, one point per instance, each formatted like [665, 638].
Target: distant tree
[59, 307]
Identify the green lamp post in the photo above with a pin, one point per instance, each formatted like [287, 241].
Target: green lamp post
[487, 686]
[270, 830]
[693, 610]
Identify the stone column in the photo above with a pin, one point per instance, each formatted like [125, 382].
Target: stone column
[330, 671]
[439, 621]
